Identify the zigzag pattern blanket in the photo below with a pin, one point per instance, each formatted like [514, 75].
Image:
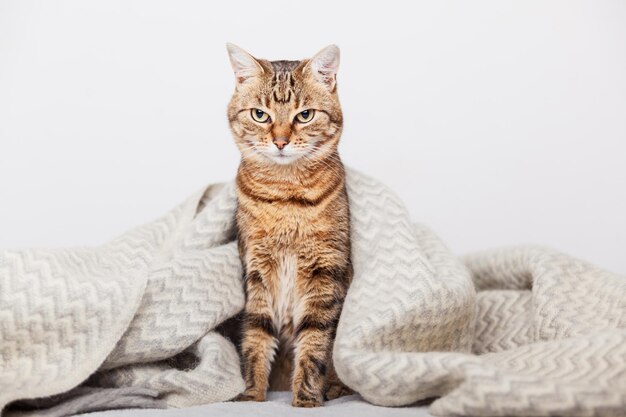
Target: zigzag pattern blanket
[514, 332]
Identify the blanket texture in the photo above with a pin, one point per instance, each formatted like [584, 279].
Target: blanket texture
[134, 323]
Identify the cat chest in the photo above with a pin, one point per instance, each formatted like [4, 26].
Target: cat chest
[280, 224]
[285, 291]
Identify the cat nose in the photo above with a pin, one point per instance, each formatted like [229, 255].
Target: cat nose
[280, 142]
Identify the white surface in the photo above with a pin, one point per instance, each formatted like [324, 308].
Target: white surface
[278, 405]
[499, 116]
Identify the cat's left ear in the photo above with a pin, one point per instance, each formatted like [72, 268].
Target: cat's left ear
[324, 66]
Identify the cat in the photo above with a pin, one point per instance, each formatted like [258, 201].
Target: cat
[293, 223]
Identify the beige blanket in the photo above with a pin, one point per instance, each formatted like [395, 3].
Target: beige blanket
[512, 332]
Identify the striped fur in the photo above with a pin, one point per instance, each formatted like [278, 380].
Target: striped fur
[293, 224]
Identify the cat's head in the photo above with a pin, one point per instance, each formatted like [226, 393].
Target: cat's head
[285, 112]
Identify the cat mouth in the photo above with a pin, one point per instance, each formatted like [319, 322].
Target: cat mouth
[282, 158]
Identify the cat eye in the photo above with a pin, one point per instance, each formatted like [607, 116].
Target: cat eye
[259, 116]
[305, 116]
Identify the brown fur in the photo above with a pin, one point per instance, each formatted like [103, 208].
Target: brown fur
[293, 231]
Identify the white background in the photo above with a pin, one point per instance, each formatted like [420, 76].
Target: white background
[498, 123]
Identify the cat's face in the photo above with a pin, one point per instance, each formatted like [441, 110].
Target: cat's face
[285, 112]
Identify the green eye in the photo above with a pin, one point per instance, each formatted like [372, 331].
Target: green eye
[305, 116]
[259, 116]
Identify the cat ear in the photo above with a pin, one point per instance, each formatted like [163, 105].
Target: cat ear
[324, 66]
[244, 65]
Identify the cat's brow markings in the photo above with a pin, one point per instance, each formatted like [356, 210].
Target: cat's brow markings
[282, 90]
[283, 82]
[279, 96]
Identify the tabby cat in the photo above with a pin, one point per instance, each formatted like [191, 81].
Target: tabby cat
[293, 223]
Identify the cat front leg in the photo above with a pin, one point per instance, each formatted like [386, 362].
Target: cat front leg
[322, 292]
[259, 342]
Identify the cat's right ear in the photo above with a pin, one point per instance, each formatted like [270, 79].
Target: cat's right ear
[244, 65]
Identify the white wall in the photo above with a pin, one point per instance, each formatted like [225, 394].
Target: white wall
[498, 123]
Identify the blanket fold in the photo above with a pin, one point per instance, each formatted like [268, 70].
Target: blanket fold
[513, 332]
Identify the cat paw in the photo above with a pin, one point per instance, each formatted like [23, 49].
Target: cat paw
[337, 390]
[306, 401]
[250, 396]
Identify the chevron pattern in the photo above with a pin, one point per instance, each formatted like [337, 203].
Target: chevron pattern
[406, 283]
[546, 331]
[512, 332]
[128, 309]
[494, 334]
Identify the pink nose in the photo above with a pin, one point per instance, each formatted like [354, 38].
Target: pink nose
[280, 142]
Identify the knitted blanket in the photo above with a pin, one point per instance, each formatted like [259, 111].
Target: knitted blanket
[134, 323]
